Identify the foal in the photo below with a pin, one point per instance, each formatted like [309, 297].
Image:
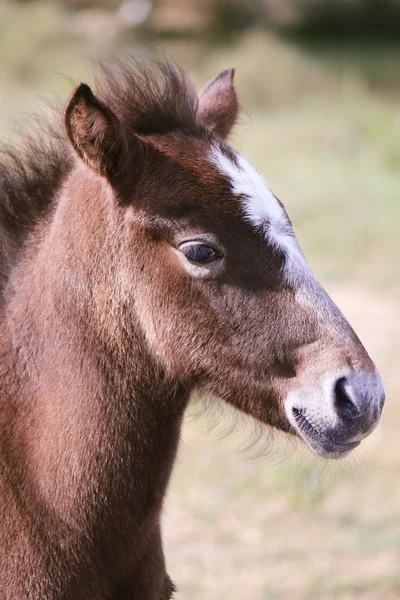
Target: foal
[142, 258]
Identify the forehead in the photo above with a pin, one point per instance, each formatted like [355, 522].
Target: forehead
[263, 211]
[226, 172]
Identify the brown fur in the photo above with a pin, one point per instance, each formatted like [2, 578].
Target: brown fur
[105, 335]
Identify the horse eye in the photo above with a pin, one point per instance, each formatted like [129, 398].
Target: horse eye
[199, 252]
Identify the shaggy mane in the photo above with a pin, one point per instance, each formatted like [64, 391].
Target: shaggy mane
[148, 98]
[30, 174]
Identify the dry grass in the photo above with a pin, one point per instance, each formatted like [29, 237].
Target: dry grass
[324, 130]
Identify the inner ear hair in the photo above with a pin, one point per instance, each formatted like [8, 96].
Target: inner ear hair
[94, 132]
[218, 104]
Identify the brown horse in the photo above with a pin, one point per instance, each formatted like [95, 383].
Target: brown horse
[142, 258]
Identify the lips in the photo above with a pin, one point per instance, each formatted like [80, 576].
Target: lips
[319, 441]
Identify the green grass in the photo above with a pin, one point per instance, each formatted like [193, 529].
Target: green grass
[323, 126]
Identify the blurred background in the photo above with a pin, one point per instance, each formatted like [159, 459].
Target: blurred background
[319, 82]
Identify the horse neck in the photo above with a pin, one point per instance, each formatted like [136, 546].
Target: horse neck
[99, 412]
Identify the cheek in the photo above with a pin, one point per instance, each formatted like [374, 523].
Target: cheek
[174, 319]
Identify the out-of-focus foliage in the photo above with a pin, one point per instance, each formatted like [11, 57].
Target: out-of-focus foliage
[334, 17]
[316, 17]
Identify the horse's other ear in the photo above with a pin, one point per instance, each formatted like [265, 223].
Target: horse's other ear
[94, 132]
[218, 104]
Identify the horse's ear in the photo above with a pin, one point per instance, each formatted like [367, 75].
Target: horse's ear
[94, 132]
[218, 104]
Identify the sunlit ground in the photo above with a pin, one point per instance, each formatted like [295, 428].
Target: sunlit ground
[323, 126]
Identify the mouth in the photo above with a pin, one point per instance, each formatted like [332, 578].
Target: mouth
[318, 441]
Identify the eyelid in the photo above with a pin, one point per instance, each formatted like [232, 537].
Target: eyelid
[204, 239]
[198, 270]
[199, 252]
[186, 246]
[197, 243]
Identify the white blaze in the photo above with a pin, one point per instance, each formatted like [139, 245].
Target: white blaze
[263, 210]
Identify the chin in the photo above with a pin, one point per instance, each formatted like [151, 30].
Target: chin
[329, 449]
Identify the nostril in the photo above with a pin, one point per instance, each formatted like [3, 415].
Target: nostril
[343, 403]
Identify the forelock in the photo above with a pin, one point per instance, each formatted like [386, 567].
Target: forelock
[149, 98]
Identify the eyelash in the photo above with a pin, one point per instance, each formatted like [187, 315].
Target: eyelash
[199, 252]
